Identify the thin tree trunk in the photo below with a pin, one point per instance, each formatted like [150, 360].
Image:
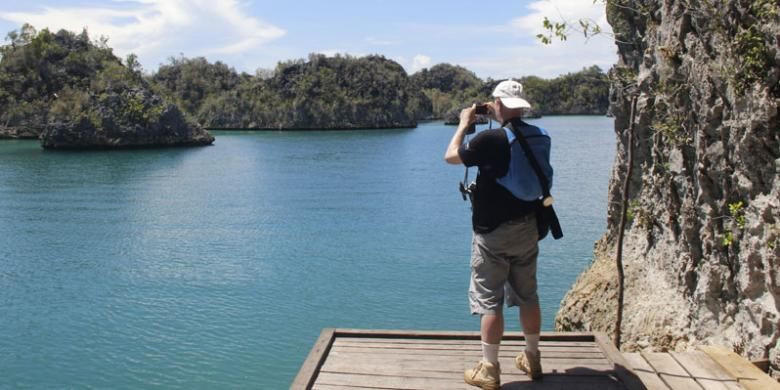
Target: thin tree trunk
[621, 230]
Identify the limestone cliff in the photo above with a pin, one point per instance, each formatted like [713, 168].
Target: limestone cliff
[701, 246]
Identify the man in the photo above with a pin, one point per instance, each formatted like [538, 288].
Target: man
[504, 244]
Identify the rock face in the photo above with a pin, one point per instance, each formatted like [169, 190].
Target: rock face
[701, 246]
[126, 119]
[18, 132]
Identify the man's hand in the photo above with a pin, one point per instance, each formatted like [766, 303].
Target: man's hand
[467, 117]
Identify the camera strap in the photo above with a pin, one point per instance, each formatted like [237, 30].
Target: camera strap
[465, 186]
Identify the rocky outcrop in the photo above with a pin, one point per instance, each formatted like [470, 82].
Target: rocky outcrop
[18, 132]
[128, 119]
[701, 247]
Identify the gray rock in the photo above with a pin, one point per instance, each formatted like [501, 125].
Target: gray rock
[699, 269]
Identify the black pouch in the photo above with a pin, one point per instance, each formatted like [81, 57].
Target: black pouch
[546, 221]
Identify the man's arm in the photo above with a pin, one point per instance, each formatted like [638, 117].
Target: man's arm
[467, 117]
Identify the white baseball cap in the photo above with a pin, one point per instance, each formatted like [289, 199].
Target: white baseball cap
[510, 92]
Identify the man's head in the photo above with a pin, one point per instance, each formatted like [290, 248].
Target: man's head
[509, 102]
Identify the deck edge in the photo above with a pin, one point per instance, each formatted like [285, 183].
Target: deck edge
[622, 368]
[307, 375]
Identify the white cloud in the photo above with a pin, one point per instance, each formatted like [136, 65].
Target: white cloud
[530, 57]
[157, 29]
[419, 62]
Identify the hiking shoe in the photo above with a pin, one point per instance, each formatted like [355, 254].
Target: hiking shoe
[530, 363]
[485, 375]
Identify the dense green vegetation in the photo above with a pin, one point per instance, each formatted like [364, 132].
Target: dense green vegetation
[582, 93]
[36, 67]
[323, 92]
[344, 91]
[451, 88]
[75, 93]
[59, 77]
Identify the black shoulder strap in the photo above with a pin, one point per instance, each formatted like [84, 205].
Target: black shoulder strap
[547, 199]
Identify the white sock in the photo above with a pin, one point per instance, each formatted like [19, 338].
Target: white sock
[532, 343]
[490, 352]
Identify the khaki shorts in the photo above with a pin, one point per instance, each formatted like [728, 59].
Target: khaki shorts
[503, 265]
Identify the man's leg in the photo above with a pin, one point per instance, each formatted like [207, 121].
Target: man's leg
[492, 330]
[531, 320]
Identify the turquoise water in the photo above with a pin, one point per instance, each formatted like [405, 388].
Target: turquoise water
[217, 267]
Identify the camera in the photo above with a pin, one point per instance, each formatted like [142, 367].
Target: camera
[467, 192]
[479, 109]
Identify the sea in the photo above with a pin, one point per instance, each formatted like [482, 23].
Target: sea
[217, 267]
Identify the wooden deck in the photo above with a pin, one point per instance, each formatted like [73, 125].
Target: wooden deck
[711, 367]
[350, 358]
[394, 359]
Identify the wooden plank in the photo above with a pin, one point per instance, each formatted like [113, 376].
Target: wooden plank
[318, 386]
[308, 372]
[478, 343]
[623, 370]
[645, 372]
[437, 369]
[357, 358]
[564, 382]
[455, 365]
[547, 384]
[704, 370]
[673, 374]
[443, 355]
[389, 382]
[746, 374]
[328, 380]
[460, 350]
[440, 334]
[465, 343]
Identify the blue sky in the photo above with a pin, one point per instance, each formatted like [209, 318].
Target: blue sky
[494, 39]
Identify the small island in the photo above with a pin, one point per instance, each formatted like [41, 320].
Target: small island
[73, 93]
